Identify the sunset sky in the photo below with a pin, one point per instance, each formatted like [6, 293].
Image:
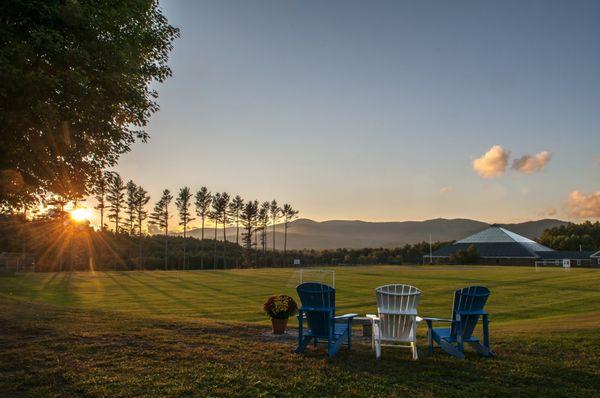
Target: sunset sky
[383, 111]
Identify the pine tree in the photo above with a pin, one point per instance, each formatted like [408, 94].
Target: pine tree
[263, 217]
[116, 197]
[236, 205]
[160, 217]
[131, 191]
[100, 190]
[203, 200]
[183, 203]
[248, 218]
[141, 200]
[275, 212]
[288, 214]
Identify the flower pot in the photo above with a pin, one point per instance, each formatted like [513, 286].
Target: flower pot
[279, 325]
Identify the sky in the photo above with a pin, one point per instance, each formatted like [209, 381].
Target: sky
[383, 111]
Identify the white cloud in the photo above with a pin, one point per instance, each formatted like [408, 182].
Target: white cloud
[446, 189]
[532, 163]
[493, 163]
[581, 205]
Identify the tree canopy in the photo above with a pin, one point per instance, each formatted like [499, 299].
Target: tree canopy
[75, 90]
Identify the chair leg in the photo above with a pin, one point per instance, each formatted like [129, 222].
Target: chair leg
[378, 349]
[415, 353]
[302, 345]
[430, 336]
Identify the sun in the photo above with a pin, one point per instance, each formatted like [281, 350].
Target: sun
[81, 214]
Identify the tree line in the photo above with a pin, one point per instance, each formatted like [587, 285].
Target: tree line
[77, 246]
[584, 236]
[123, 204]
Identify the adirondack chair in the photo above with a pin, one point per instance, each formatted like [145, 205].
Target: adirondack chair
[318, 309]
[466, 310]
[397, 318]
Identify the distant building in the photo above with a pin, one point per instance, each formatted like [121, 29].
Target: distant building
[499, 246]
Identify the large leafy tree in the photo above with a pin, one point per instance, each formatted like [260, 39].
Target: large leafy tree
[75, 90]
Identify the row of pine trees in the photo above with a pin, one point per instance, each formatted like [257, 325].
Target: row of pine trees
[124, 204]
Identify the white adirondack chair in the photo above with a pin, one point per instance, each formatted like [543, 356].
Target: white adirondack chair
[396, 322]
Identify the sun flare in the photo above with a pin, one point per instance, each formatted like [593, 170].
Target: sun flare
[81, 214]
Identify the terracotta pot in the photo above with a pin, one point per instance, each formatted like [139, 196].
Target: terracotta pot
[279, 325]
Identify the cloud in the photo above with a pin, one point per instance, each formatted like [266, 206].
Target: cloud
[581, 205]
[493, 163]
[446, 189]
[532, 163]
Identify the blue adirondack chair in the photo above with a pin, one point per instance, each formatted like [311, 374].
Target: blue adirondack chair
[318, 306]
[466, 311]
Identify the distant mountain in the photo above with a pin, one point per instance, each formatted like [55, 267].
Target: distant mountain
[308, 234]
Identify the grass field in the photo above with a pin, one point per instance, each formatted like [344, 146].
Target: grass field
[203, 334]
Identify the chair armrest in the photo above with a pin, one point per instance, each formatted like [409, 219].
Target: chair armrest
[372, 317]
[346, 316]
[437, 319]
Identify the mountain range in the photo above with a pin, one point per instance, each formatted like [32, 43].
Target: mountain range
[308, 234]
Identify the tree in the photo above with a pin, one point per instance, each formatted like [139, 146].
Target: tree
[236, 205]
[215, 215]
[275, 212]
[288, 214]
[224, 213]
[131, 191]
[141, 200]
[115, 197]
[263, 218]
[75, 91]
[469, 256]
[99, 190]
[203, 200]
[160, 218]
[584, 236]
[183, 203]
[248, 217]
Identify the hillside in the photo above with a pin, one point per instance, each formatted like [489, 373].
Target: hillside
[308, 234]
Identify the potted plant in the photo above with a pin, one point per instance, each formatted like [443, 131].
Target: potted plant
[279, 308]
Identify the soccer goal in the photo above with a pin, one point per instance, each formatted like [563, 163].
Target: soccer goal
[324, 276]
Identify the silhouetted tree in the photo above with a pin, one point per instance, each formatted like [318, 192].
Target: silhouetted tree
[289, 214]
[263, 219]
[183, 203]
[131, 191]
[275, 212]
[101, 183]
[160, 218]
[115, 197]
[248, 218]
[141, 200]
[236, 205]
[203, 200]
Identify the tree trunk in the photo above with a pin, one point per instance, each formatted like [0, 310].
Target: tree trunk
[184, 241]
[273, 235]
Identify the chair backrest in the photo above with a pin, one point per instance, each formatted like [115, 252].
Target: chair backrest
[468, 299]
[397, 308]
[318, 302]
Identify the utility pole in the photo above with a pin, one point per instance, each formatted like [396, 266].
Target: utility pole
[430, 251]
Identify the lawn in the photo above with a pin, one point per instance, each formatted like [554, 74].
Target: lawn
[203, 334]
